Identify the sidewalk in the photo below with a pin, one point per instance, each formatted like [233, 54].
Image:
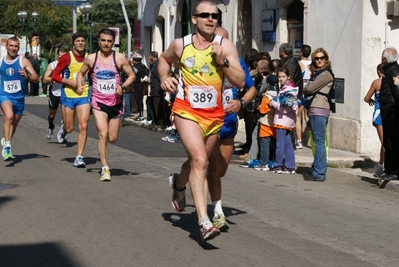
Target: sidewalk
[348, 162]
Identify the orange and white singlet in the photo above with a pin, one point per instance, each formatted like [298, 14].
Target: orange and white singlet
[199, 93]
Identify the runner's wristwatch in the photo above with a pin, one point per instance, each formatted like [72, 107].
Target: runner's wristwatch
[243, 104]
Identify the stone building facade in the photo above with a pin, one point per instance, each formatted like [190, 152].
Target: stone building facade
[353, 32]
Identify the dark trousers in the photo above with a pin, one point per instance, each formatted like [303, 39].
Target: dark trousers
[249, 119]
[138, 96]
[390, 127]
[159, 113]
[150, 110]
[34, 89]
[44, 87]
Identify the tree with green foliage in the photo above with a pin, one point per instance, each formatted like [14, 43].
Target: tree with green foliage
[54, 23]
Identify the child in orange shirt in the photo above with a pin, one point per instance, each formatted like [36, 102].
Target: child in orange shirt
[267, 133]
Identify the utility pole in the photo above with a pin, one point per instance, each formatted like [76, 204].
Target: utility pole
[129, 30]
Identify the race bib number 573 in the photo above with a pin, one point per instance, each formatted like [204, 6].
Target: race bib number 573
[202, 96]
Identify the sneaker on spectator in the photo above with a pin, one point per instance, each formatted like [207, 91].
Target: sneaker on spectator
[250, 164]
[244, 165]
[174, 138]
[298, 144]
[253, 163]
[277, 170]
[178, 196]
[243, 156]
[79, 162]
[138, 118]
[379, 170]
[287, 171]
[208, 230]
[388, 177]
[264, 168]
[169, 136]
[129, 119]
[220, 223]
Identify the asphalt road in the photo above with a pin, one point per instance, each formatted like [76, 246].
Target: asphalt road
[52, 214]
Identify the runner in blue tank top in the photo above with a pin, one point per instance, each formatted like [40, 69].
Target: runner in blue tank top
[15, 72]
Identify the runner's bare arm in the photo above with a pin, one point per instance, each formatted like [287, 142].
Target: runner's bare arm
[47, 74]
[233, 71]
[87, 63]
[28, 72]
[170, 55]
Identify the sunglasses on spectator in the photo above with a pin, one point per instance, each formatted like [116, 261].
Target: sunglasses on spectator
[319, 58]
[206, 15]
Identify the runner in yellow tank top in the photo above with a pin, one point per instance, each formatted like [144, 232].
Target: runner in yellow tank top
[70, 73]
[75, 100]
[198, 108]
[199, 91]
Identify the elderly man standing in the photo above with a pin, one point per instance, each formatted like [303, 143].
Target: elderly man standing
[290, 63]
[389, 105]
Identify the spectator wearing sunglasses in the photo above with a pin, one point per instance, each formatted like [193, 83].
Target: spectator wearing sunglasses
[317, 103]
[198, 111]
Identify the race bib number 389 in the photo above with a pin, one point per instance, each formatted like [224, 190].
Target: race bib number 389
[12, 87]
[202, 96]
[106, 87]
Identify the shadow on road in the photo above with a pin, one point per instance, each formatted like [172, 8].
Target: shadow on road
[19, 158]
[4, 200]
[88, 160]
[188, 222]
[42, 254]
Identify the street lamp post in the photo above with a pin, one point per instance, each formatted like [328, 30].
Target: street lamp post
[86, 9]
[23, 18]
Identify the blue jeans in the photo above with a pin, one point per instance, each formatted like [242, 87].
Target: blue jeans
[126, 101]
[267, 150]
[318, 127]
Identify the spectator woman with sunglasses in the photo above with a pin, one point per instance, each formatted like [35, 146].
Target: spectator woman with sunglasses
[317, 89]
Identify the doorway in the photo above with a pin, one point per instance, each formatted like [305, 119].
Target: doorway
[295, 25]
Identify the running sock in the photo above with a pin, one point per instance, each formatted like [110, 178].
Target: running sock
[105, 168]
[217, 207]
[7, 144]
[202, 220]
